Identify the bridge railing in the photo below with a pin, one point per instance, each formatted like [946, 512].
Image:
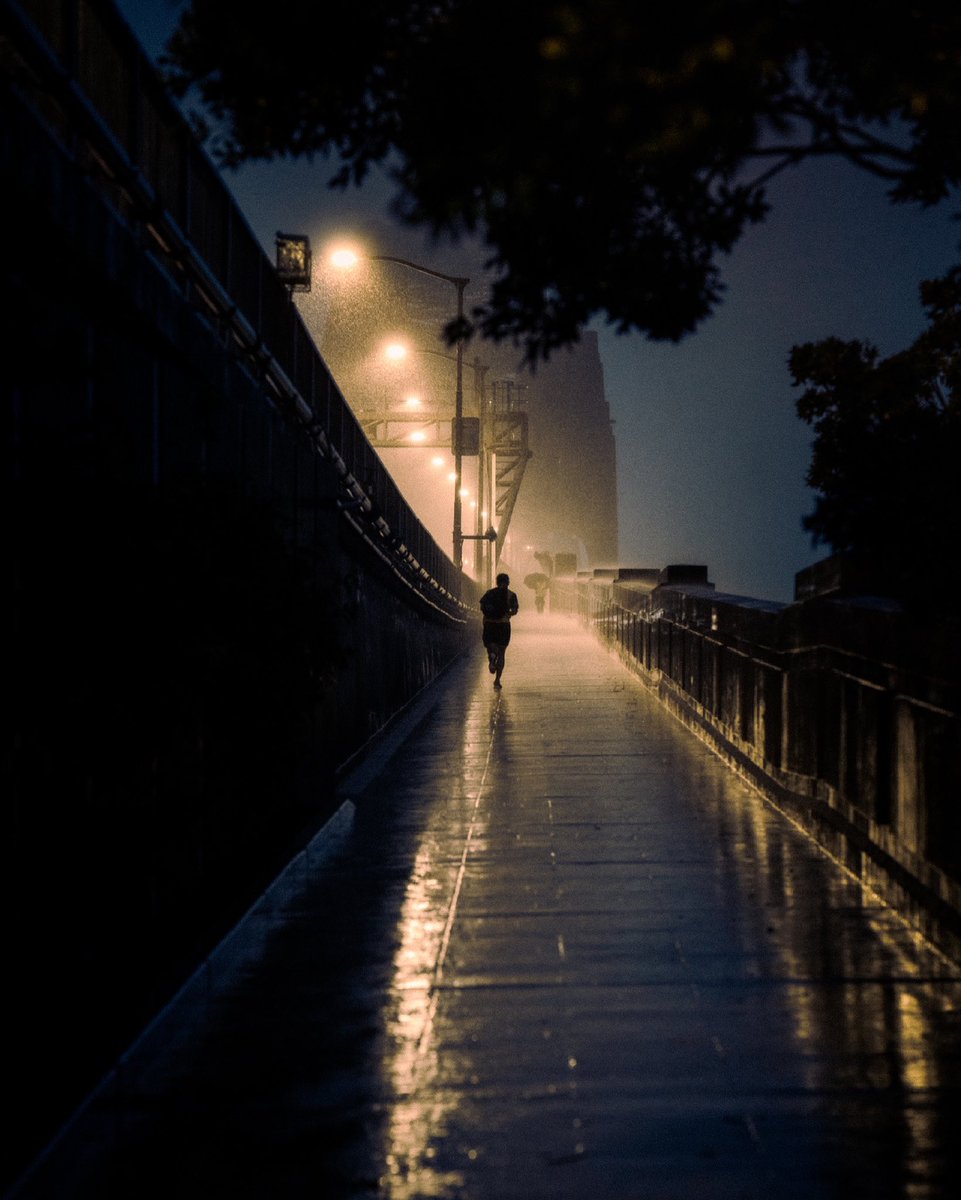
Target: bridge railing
[93, 79]
[841, 709]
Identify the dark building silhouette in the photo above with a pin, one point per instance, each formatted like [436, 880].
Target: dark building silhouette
[568, 502]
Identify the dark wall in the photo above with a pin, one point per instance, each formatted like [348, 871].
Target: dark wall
[207, 612]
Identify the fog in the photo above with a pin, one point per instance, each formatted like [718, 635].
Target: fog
[711, 457]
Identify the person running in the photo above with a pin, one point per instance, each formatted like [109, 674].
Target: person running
[498, 606]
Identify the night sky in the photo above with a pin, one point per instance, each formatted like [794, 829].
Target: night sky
[711, 456]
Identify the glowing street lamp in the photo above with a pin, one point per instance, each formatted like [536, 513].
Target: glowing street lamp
[345, 258]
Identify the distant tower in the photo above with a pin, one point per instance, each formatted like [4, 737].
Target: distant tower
[570, 488]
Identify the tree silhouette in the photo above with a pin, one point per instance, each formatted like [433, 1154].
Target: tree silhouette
[607, 152]
[887, 442]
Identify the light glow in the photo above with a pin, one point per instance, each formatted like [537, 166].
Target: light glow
[344, 258]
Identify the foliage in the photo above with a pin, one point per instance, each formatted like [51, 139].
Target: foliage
[610, 152]
[887, 443]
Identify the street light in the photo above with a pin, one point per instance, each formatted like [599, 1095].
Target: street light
[469, 440]
[348, 258]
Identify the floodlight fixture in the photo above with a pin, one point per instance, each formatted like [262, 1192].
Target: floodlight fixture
[294, 261]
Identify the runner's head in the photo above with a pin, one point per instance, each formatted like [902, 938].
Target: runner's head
[503, 580]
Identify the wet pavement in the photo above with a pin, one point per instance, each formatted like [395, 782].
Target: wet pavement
[553, 949]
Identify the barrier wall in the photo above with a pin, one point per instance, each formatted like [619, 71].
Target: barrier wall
[218, 594]
[840, 708]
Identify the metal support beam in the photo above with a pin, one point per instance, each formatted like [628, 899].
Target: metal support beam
[395, 432]
[508, 454]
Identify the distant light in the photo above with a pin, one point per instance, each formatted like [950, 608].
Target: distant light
[452, 477]
[473, 504]
[418, 436]
[437, 461]
[484, 513]
[465, 491]
[395, 351]
[413, 402]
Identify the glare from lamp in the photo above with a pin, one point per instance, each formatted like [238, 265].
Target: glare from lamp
[343, 259]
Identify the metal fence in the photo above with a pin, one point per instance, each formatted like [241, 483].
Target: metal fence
[844, 711]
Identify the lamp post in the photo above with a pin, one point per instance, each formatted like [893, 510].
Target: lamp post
[460, 283]
[346, 258]
[472, 435]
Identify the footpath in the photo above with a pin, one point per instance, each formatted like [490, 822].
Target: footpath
[551, 948]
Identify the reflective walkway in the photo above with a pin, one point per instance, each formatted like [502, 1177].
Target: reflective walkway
[556, 950]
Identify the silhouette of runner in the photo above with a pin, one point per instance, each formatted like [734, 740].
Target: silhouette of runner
[498, 606]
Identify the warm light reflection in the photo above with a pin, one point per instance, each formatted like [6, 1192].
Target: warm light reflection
[437, 461]
[417, 1114]
[395, 351]
[418, 436]
[881, 1012]
[413, 402]
[422, 1105]
[918, 1075]
[916, 1072]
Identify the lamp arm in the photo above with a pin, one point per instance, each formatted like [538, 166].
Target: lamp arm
[459, 280]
